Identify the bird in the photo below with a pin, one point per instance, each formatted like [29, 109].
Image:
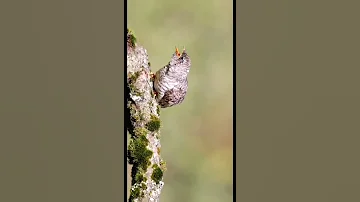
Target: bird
[171, 81]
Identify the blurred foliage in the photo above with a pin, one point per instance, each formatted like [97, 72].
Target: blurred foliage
[196, 136]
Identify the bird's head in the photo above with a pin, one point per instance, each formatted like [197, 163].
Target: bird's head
[181, 60]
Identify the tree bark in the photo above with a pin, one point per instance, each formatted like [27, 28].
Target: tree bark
[144, 124]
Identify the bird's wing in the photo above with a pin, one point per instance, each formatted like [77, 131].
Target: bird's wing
[173, 96]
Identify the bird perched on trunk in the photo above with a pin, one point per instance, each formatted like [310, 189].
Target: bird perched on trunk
[171, 82]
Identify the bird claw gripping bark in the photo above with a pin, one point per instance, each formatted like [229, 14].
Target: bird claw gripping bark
[171, 81]
[152, 76]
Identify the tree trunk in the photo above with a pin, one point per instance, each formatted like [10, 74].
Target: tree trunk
[143, 126]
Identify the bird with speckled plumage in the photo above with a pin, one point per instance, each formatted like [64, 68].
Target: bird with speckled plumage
[171, 81]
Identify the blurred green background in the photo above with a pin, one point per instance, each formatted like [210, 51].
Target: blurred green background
[196, 136]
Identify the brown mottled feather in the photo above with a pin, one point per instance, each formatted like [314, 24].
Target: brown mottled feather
[174, 96]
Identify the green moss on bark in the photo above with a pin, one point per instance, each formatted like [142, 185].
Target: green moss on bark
[131, 39]
[153, 124]
[157, 174]
[138, 154]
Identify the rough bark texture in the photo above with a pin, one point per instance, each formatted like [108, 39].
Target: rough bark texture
[144, 124]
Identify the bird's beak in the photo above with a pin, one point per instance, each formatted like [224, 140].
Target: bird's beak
[183, 49]
[177, 52]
